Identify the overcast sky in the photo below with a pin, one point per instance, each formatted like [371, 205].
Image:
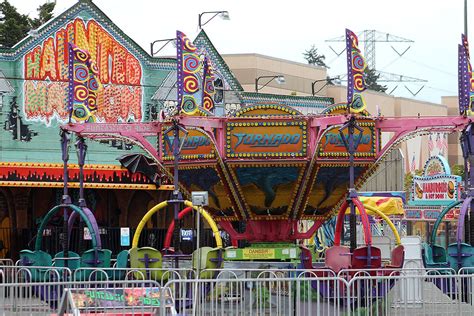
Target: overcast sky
[285, 29]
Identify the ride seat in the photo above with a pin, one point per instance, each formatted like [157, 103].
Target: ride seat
[93, 258]
[118, 272]
[207, 258]
[148, 262]
[37, 258]
[338, 258]
[466, 256]
[434, 256]
[73, 260]
[397, 258]
[361, 255]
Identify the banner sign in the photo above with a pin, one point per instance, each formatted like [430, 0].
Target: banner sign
[266, 139]
[437, 186]
[430, 215]
[332, 145]
[197, 145]
[124, 236]
[130, 297]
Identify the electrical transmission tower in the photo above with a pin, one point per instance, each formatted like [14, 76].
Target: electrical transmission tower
[369, 38]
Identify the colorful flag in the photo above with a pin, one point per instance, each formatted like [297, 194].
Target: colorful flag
[189, 67]
[355, 73]
[445, 144]
[84, 85]
[465, 80]
[439, 141]
[208, 89]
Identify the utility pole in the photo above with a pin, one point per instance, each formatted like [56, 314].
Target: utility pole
[465, 17]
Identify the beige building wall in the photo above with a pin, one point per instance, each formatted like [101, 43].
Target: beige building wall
[298, 76]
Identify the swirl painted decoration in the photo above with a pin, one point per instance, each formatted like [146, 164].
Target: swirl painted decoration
[208, 89]
[83, 85]
[195, 78]
[355, 73]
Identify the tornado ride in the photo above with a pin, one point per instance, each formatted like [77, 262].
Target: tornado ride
[266, 168]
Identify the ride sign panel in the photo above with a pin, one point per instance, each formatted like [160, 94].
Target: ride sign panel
[332, 144]
[266, 139]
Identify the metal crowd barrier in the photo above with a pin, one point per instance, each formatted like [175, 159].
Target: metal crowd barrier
[237, 292]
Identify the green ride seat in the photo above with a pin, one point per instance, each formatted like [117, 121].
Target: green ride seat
[207, 258]
[37, 258]
[466, 256]
[147, 261]
[93, 258]
[434, 256]
[118, 272]
[72, 262]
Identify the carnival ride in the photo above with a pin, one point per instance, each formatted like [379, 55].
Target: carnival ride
[81, 265]
[265, 168]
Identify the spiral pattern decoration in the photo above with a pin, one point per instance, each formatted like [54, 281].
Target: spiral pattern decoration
[359, 82]
[81, 93]
[191, 63]
[191, 84]
[93, 68]
[358, 103]
[210, 87]
[189, 105]
[358, 62]
[208, 103]
[81, 55]
[92, 102]
[80, 113]
[93, 84]
[188, 45]
[81, 73]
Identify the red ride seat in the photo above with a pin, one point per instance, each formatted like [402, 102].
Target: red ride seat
[361, 254]
[397, 258]
[338, 258]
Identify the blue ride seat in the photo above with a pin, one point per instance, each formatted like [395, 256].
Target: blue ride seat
[465, 254]
[149, 262]
[119, 270]
[37, 258]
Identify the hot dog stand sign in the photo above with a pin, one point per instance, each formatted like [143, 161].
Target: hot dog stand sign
[437, 186]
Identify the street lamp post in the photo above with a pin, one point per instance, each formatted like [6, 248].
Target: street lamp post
[165, 41]
[223, 14]
[321, 80]
[280, 79]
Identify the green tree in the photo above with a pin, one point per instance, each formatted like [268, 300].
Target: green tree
[314, 58]
[458, 170]
[14, 26]
[371, 77]
[408, 181]
[45, 13]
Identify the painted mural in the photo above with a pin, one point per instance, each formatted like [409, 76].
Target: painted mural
[46, 75]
